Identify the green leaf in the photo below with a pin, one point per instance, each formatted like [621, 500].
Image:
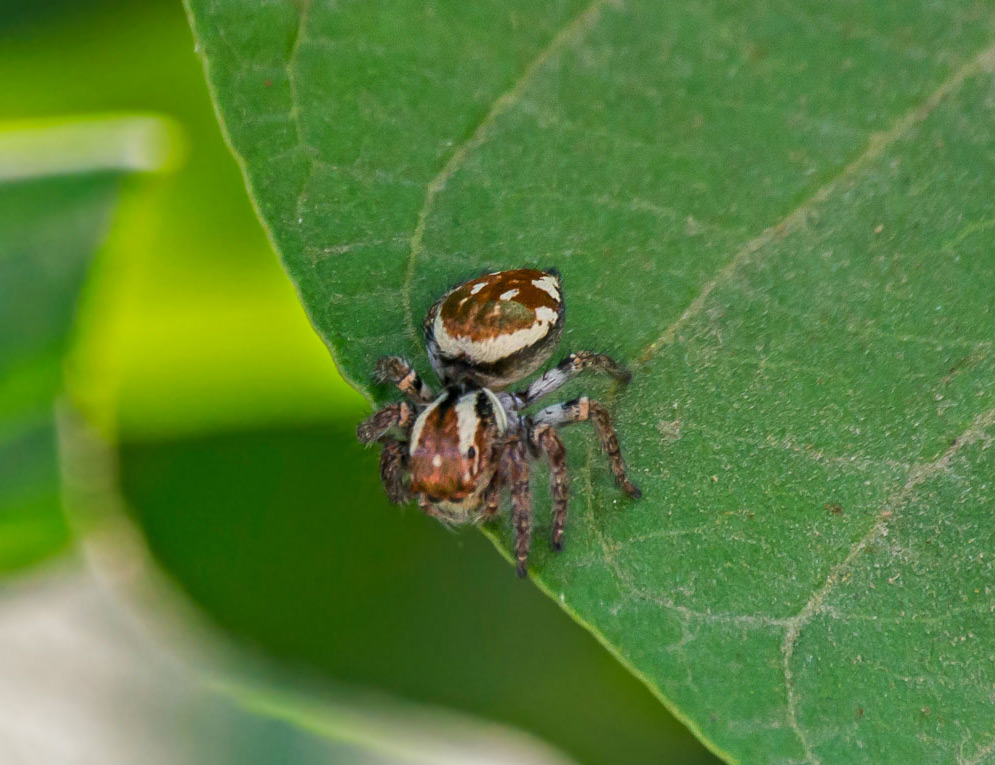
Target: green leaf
[780, 215]
[59, 185]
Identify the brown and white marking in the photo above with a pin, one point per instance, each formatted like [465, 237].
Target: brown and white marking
[451, 453]
[497, 328]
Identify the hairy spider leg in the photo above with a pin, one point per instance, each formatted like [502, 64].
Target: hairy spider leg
[515, 470]
[374, 427]
[548, 441]
[566, 370]
[399, 372]
[393, 469]
[492, 497]
[581, 410]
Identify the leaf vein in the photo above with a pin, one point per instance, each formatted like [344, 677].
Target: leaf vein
[896, 501]
[980, 756]
[566, 36]
[798, 217]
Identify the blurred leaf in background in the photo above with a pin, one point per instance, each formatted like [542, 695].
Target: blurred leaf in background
[49, 228]
[190, 322]
[60, 182]
[86, 681]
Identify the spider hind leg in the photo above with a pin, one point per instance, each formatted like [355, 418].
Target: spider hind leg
[566, 370]
[581, 410]
[515, 473]
[549, 443]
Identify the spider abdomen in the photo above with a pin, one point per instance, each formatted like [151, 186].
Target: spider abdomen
[496, 329]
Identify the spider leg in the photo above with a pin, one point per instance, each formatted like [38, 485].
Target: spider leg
[377, 424]
[516, 473]
[492, 498]
[548, 441]
[393, 468]
[581, 410]
[399, 372]
[567, 369]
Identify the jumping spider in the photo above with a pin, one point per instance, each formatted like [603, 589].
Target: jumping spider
[458, 450]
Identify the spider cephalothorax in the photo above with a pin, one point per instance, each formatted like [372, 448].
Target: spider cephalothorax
[453, 450]
[457, 451]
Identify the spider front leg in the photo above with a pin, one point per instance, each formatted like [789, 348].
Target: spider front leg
[492, 498]
[394, 453]
[581, 410]
[548, 441]
[566, 370]
[377, 424]
[395, 370]
[393, 469]
[515, 472]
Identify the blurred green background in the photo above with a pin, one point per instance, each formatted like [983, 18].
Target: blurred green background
[236, 438]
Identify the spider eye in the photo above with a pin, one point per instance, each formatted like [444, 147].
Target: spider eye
[471, 453]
